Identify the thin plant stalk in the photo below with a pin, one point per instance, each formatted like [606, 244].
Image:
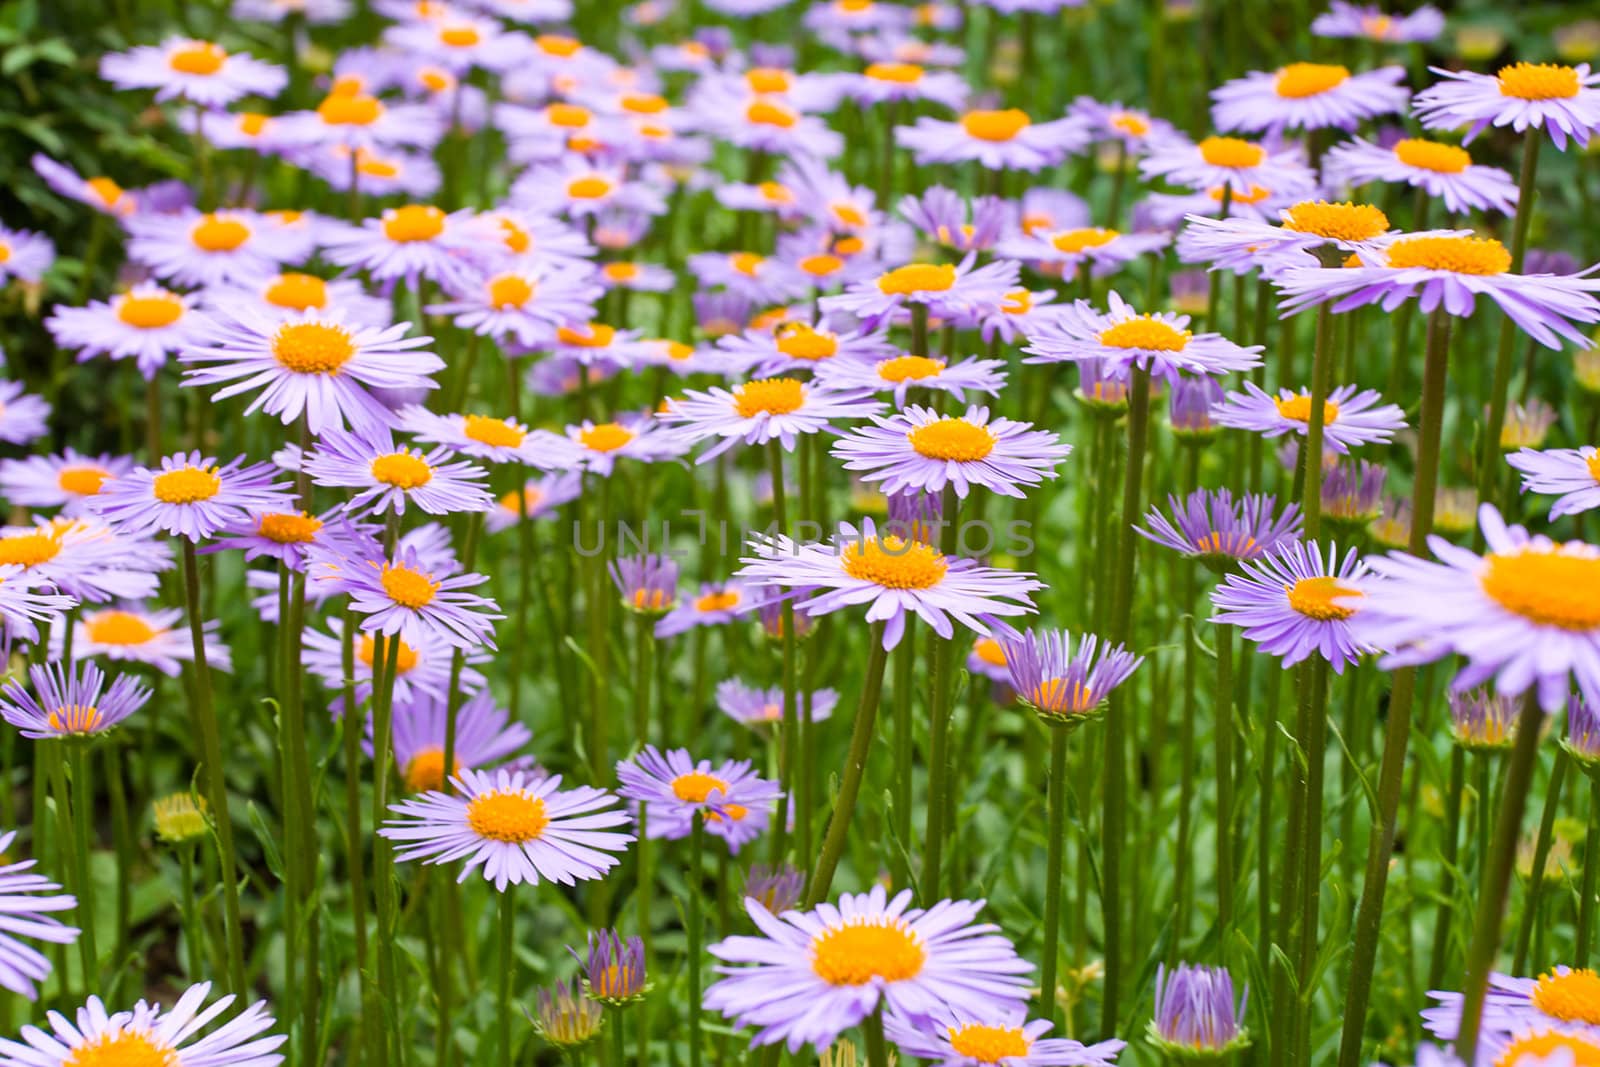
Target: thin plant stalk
[696, 935]
[1316, 423]
[1583, 942]
[1223, 742]
[939, 726]
[508, 966]
[1541, 854]
[1055, 845]
[790, 733]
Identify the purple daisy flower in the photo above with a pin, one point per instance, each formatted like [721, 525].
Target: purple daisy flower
[1189, 404]
[146, 324]
[1571, 473]
[946, 291]
[1343, 19]
[1352, 493]
[488, 438]
[314, 364]
[407, 244]
[286, 536]
[1063, 252]
[171, 1036]
[716, 604]
[637, 436]
[70, 704]
[190, 496]
[1561, 998]
[648, 584]
[894, 577]
[485, 735]
[1481, 720]
[1307, 228]
[539, 499]
[354, 118]
[889, 81]
[903, 373]
[515, 827]
[795, 346]
[1131, 127]
[777, 889]
[1563, 101]
[84, 559]
[422, 672]
[578, 189]
[1293, 603]
[182, 68]
[129, 633]
[759, 411]
[100, 193]
[378, 172]
[1195, 1016]
[1062, 684]
[1241, 165]
[389, 477]
[68, 480]
[919, 448]
[27, 912]
[757, 707]
[1443, 171]
[24, 255]
[1350, 418]
[22, 415]
[762, 279]
[1168, 211]
[405, 597]
[522, 305]
[1212, 526]
[1307, 96]
[21, 607]
[996, 140]
[194, 248]
[1120, 339]
[1524, 614]
[459, 42]
[944, 217]
[832, 966]
[1005, 1037]
[676, 790]
[765, 122]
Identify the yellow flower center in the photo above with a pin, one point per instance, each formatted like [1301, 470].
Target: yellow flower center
[459, 36]
[1571, 997]
[593, 335]
[350, 109]
[894, 563]
[1017, 302]
[620, 272]
[1231, 152]
[952, 439]
[903, 73]
[989, 650]
[726, 600]
[297, 291]
[800, 341]
[413, 222]
[85, 481]
[287, 528]
[568, 116]
[118, 628]
[644, 103]
[150, 312]
[187, 485]
[1299, 80]
[404, 659]
[1256, 194]
[1539, 81]
[509, 291]
[30, 549]
[1062, 696]
[1337, 222]
[552, 44]
[606, 437]
[1298, 408]
[1145, 332]
[1431, 155]
[403, 470]
[821, 266]
[199, 58]
[695, 787]
[435, 80]
[107, 190]
[1547, 586]
[129, 1048]
[772, 396]
[1313, 598]
[768, 113]
[374, 166]
[75, 719]
[510, 817]
[1593, 463]
[857, 952]
[530, 501]
[767, 80]
[988, 1044]
[918, 278]
[1129, 123]
[909, 368]
[425, 772]
[407, 587]
[1377, 26]
[217, 233]
[995, 126]
[1535, 1047]
[746, 263]
[1460, 255]
[312, 347]
[589, 187]
[496, 433]
[1074, 241]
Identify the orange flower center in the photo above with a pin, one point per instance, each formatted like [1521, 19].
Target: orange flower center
[1145, 332]
[821, 266]
[350, 109]
[408, 587]
[1313, 598]
[30, 549]
[1536, 1046]
[413, 222]
[903, 73]
[1337, 222]
[726, 600]
[767, 80]
[1431, 155]
[312, 347]
[995, 126]
[82, 481]
[127, 1048]
[568, 116]
[1256, 194]
[593, 335]
[187, 485]
[297, 291]
[1300, 80]
[404, 659]
[107, 190]
[644, 103]
[606, 437]
[514, 818]
[917, 278]
[497, 433]
[770, 113]
[988, 1044]
[909, 368]
[800, 341]
[1459, 255]
[1549, 586]
[118, 628]
[459, 36]
[289, 528]
[252, 123]
[216, 233]
[589, 187]
[695, 787]
[894, 563]
[620, 272]
[425, 771]
[1129, 123]
[1298, 408]
[989, 650]
[1593, 463]
[150, 312]
[1231, 152]
[201, 58]
[1062, 696]
[510, 291]
[556, 45]
[1073, 241]
[1539, 81]
[855, 953]
[402, 470]
[1572, 997]
[771, 396]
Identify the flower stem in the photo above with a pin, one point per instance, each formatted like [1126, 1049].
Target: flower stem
[1541, 853]
[1055, 845]
[696, 934]
[1316, 751]
[354, 854]
[1316, 424]
[1582, 954]
[1223, 741]
[872, 1029]
[191, 914]
[791, 720]
[508, 966]
[1447, 862]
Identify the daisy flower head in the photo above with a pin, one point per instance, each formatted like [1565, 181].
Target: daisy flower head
[421, 672]
[579, 189]
[488, 438]
[254, 130]
[1352, 494]
[1239, 165]
[100, 193]
[190, 495]
[378, 172]
[1294, 603]
[1121, 339]
[1572, 474]
[516, 828]
[539, 499]
[1132, 128]
[1003, 1036]
[129, 633]
[67, 480]
[355, 118]
[147, 324]
[1561, 999]
[194, 248]
[1309, 232]
[593, 344]
[69, 703]
[776, 888]
[459, 42]
[1221, 531]
[945, 290]
[919, 448]
[1065, 685]
[762, 410]
[1189, 405]
[22, 415]
[29, 901]
[388, 477]
[1017, 316]
[1064, 252]
[834, 965]
[996, 139]
[484, 735]
[988, 659]
[634, 436]
[409, 597]
[83, 558]
[676, 790]
[1523, 614]
[407, 244]
[1443, 171]
[714, 604]
[1350, 417]
[648, 584]
[893, 577]
[763, 279]
[774, 123]
[24, 255]
[1582, 742]
[1195, 1016]
[889, 81]
[1563, 101]
[797, 345]
[289, 294]
[1344, 19]
[1308, 96]
[1168, 211]
[1482, 721]
[902, 373]
[946, 218]
[756, 707]
[199, 72]
[1526, 424]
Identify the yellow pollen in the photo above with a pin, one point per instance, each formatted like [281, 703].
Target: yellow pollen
[1313, 598]
[1299, 80]
[126, 1048]
[988, 1044]
[644, 103]
[514, 818]
[1129, 123]
[771, 396]
[800, 341]
[1377, 26]
[854, 7]
[556, 45]
[589, 187]
[297, 292]
[404, 660]
[1231, 152]
[252, 123]
[568, 116]
[735, 812]
[413, 222]
[1337, 222]
[107, 190]
[776, 193]
[1572, 997]
[198, 58]
[606, 437]
[620, 272]
[289, 529]
[917, 278]
[118, 628]
[593, 335]
[848, 214]
[75, 719]
[995, 126]
[1062, 696]
[1073, 241]
[86, 481]
[904, 73]
[849, 246]
[1539, 81]
[312, 347]
[894, 563]
[1593, 463]
[1017, 302]
[767, 80]
[435, 80]
[651, 599]
[1256, 194]
[1550, 587]
[402, 470]
[726, 600]
[516, 238]
[855, 953]
[910, 369]
[150, 312]
[1298, 408]
[1534, 1047]
[216, 233]
[187, 485]
[746, 263]
[821, 266]
[458, 36]
[497, 433]
[407, 587]
[989, 650]
[425, 771]
[768, 113]
[695, 787]
[375, 166]
[1460, 255]
[1146, 332]
[1431, 155]
[509, 291]
[40, 545]
[350, 109]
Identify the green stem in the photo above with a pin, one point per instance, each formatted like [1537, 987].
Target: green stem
[1582, 955]
[1055, 844]
[1316, 424]
[872, 1029]
[1316, 745]
[508, 966]
[696, 934]
[1541, 853]
[939, 724]
[1223, 740]
[1448, 858]
[791, 722]
[353, 836]
[191, 914]
[905, 662]
[83, 845]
